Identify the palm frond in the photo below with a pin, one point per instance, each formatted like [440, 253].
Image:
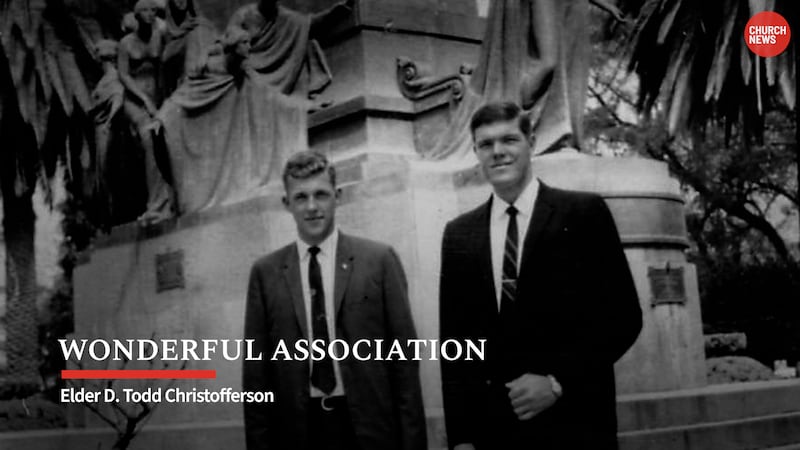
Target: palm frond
[695, 50]
[51, 71]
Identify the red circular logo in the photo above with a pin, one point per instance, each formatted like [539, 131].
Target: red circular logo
[767, 34]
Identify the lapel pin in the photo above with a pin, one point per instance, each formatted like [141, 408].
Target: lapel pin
[344, 266]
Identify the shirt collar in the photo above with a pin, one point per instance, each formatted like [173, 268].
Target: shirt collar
[524, 202]
[326, 248]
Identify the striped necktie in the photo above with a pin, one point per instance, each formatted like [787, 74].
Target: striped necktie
[509, 280]
[322, 375]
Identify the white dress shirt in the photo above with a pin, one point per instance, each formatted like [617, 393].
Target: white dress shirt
[498, 226]
[327, 264]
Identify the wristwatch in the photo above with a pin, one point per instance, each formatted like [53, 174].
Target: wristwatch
[555, 386]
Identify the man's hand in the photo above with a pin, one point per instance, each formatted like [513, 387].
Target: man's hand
[530, 394]
[464, 447]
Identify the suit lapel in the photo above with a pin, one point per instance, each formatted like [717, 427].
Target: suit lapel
[481, 236]
[542, 211]
[291, 274]
[344, 267]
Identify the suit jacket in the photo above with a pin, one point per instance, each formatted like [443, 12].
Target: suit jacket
[576, 312]
[370, 297]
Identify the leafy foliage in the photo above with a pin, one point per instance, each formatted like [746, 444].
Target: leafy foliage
[724, 122]
[691, 58]
[30, 414]
[731, 369]
[48, 69]
[759, 299]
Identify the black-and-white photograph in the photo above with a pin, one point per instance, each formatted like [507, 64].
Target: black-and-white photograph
[399, 225]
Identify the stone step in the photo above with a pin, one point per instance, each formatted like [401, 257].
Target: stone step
[717, 403]
[780, 431]
[777, 432]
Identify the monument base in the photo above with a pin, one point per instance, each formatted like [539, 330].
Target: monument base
[186, 278]
[763, 414]
[649, 212]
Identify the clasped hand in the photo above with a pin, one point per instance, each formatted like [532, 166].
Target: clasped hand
[530, 395]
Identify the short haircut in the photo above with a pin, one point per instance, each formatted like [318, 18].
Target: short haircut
[500, 112]
[306, 164]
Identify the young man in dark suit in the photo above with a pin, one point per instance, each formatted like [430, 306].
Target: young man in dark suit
[540, 273]
[329, 285]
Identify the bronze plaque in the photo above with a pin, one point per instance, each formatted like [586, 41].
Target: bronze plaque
[667, 285]
[169, 271]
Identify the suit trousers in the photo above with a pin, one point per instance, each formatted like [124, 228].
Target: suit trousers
[331, 429]
[505, 431]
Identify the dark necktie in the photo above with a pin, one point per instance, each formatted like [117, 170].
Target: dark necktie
[509, 280]
[322, 376]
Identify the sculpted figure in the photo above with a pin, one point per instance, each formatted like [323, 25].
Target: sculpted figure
[230, 127]
[535, 53]
[107, 99]
[129, 23]
[227, 131]
[228, 57]
[188, 37]
[283, 46]
[139, 63]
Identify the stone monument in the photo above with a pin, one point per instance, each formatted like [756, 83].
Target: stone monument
[392, 191]
[139, 66]
[227, 130]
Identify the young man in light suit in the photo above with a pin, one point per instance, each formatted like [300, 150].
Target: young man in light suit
[329, 285]
[540, 273]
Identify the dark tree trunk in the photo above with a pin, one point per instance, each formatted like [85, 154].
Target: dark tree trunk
[20, 317]
[17, 149]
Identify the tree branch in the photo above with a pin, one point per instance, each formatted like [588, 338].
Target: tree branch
[735, 209]
[780, 190]
[617, 119]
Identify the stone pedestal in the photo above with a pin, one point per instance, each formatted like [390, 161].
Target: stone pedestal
[404, 203]
[649, 213]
